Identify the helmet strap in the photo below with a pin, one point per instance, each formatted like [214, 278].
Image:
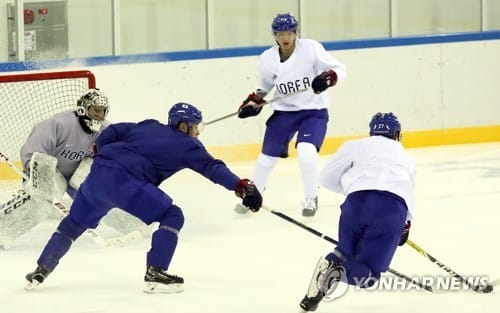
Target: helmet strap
[85, 123]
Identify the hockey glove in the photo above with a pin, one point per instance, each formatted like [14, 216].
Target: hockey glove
[405, 234]
[251, 196]
[324, 80]
[251, 106]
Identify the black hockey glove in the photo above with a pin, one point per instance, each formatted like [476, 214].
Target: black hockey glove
[251, 196]
[324, 80]
[251, 106]
[405, 234]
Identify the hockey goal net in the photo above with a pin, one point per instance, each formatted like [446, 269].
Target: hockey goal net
[25, 100]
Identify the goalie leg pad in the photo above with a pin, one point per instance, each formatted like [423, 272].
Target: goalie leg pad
[21, 216]
[125, 223]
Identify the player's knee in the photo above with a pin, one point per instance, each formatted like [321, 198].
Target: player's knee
[173, 218]
[69, 228]
[267, 160]
[307, 152]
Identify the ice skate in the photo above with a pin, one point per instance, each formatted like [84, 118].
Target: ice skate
[159, 281]
[310, 206]
[36, 277]
[325, 277]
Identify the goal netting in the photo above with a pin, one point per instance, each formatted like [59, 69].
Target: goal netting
[25, 100]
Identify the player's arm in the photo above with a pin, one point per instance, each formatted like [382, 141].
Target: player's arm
[252, 104]
[112, 133]
[216, 170]
[43, 139]
[331, 70]
[335, 167]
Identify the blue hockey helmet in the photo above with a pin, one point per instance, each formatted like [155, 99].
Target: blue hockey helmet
[385, 124]
[184, 112]
[284, 23]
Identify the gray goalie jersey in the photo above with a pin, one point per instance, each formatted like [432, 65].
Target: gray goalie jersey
[63, 137]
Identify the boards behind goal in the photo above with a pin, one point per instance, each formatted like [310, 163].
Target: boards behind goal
[27, 99]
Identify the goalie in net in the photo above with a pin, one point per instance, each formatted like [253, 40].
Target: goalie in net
[56, 157]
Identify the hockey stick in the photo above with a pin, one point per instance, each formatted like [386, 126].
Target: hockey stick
[477, 288]
[63, 211]
[335, 242]
[263, 104]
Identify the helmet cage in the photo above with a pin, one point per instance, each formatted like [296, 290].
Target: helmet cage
[92, 98]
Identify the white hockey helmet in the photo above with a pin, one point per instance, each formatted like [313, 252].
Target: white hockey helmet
[92, 108]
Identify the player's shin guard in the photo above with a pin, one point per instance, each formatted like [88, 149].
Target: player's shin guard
[57, 246]
[163, 245]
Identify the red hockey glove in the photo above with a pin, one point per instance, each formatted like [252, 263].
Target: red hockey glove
[405, 234]
[251, 106]
[251, 196]
[324, 80]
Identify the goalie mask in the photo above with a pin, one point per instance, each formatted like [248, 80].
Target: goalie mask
[92, 108]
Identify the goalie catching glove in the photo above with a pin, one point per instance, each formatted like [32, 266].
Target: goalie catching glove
[251, 106]
[324, 80]
[251, 196]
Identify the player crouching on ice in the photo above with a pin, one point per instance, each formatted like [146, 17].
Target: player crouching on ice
[132, 161]
[378, 178]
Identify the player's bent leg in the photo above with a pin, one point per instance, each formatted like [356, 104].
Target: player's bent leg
[356, 272]
[163, 245]
[57, 246]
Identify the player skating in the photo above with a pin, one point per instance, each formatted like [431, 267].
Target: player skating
[378, 178]
[292, 66]
[132, 160]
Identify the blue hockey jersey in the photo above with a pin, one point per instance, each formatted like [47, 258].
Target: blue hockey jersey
[152, 151]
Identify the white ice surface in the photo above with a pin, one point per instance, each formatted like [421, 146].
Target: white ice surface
[261, 263]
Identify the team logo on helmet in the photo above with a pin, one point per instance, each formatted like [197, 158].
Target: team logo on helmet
[284, 23]
[384, 124]
[184, 112]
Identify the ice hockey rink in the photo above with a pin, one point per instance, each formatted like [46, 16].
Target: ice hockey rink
[261, 263]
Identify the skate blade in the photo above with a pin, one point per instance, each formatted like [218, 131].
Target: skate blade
[153, 287]
[241, 209]
[31, 285]
[307, 219]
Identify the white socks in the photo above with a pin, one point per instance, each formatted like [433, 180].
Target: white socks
[308, 162]
[263, 168]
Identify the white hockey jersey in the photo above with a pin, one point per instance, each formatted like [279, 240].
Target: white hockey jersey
[60, 136]
[372, 163]
[308, 59]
